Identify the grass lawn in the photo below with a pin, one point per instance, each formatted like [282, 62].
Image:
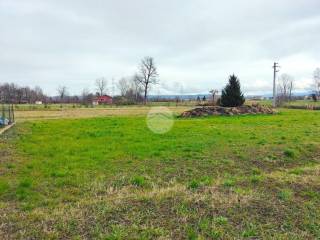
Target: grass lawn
[208, 178]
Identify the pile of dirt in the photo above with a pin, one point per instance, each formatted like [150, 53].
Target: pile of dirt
[227, 111]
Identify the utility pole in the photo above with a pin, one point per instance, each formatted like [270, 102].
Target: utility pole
[275, 70]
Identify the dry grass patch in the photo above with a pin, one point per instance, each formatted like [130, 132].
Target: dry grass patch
[89, 112]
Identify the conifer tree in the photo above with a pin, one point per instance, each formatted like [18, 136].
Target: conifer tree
[231, 95]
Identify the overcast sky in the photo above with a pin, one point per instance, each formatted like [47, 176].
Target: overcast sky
[196, 44]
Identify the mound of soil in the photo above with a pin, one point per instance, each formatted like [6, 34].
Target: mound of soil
[226, 111]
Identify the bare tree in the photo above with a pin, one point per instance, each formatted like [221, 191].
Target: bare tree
[147, 75]
[19, 95]
[137, 89]
[62, 91]
[38, 94]
[130, 89]
[101, 84]
[123, 85]
[12, 93]
[26, 94]
[316, 78]
[213, 93]
[86, 97]
[285, 88]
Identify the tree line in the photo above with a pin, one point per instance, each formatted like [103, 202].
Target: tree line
[12, 93]
[134, 89]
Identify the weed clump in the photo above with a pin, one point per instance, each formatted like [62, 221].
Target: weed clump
[138, 181]
[194, 184]
[229, 183]
[250, 231]
[285, 194]
[256, 179]
[26, 183]
[289, 153]
[221, 220]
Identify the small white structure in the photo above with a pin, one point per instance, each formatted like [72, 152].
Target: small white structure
[95, 103]
[38, 102]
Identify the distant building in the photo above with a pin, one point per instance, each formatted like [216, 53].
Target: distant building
[307, 97]
[38, 102]
[105, 99]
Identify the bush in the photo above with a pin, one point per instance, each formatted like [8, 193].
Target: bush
[231, 95]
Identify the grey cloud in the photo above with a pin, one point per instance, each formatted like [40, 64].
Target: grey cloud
[196, 44]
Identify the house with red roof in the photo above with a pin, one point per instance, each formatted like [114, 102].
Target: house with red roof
[100, 100]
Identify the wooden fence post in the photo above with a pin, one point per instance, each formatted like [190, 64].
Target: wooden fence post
[3, 112]
[13, 113]
[9, 111]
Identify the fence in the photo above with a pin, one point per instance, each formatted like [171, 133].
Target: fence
[6, 114]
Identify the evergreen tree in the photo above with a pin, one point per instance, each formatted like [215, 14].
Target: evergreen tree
[231, 95]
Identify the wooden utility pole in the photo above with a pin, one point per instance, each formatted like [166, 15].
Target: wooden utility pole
[275, 70]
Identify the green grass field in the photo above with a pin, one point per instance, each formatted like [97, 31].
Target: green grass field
[247, 177]
[301, 103]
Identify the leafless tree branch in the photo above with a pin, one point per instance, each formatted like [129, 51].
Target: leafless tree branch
[147, 75]
[101, 84]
